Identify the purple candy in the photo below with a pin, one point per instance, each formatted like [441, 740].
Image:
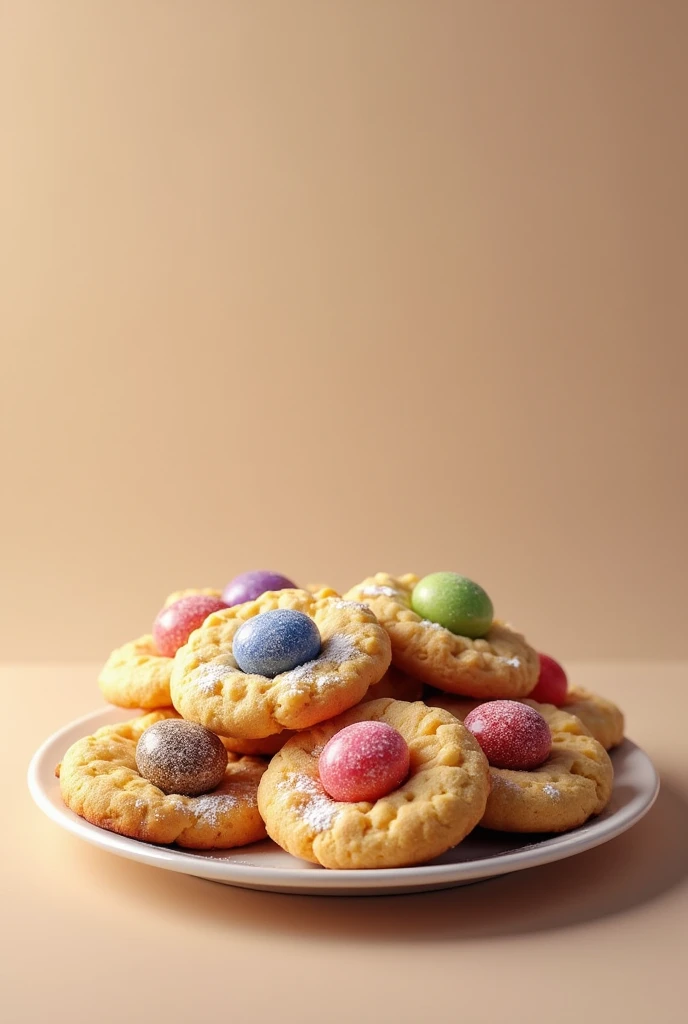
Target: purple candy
[250, 585]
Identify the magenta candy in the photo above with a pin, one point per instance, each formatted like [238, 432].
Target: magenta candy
[250, 585]
[364, 761]
[512, 735]
[174, 625]
[552, 685]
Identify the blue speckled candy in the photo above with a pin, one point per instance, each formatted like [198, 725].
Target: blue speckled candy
[276, 642]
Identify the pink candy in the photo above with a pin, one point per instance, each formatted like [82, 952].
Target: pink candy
[552, 684]
[512, 735]
[174, 625]
[364, 761]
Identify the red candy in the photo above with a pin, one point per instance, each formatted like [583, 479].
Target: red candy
[552, 684]
[512, 735]
[174, 625]
[364, 761]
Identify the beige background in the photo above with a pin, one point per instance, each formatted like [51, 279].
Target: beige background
[331, 287]
[334, 287]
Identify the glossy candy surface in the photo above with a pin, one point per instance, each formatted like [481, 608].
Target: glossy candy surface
[364, 761]
[512, 735]
[552, 685]
[174, 625]
[250, 585]
[455, 602]
[181, 757]
[276, 641]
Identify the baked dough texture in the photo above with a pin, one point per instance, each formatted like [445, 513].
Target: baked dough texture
[499, 664]
[208, 687]
[136, 676]
[602, 717]
[573, 784]
[440, 802]
[396, 684]
[99, 781]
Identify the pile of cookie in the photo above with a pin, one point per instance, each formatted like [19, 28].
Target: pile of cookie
[372, 729]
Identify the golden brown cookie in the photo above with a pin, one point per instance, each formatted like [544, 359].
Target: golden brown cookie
[208, 687]
[136, 676]
[396, 684]
[600, 716]
[499, 664]
[100, 782]
[440, 802]
[266, 747]
[573, 784]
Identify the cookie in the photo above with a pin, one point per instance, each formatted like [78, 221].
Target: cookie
[136, 676]
[573, 784]
[396, 684]
[500, 664]
[208, 687]
[600, 716]
[100, 782]
[442, 799]
[266, 747]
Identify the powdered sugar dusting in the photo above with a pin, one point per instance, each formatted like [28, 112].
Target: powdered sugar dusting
[551, 791]
[213, 806]
[430, 625]
[504, 782]
[338, 649]
[514, 662]
[351, 606]
[378, 592]
[207, 676]
[317, 810]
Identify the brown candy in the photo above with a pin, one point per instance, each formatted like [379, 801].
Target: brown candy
[181, 757]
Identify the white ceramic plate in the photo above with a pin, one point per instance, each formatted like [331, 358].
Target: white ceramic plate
[265, 866]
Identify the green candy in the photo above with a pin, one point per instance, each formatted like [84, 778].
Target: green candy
[454, 602]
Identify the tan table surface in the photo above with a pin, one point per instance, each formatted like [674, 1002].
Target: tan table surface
[87, 936]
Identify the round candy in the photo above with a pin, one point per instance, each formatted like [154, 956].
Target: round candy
[455, 602]
[552, 685]
[276, 641]
[512, 735]
[181, 757]
[174, 625]
[250, 585]
[364, 761]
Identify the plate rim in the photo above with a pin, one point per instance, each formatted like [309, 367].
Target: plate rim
[202, 864]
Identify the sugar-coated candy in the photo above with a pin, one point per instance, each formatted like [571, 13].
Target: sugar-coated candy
[174, 625]
[455, 602]
[552, 685]
[364, 761]
[250, 585]
[276, 641]
[181, 757]
[512, 735]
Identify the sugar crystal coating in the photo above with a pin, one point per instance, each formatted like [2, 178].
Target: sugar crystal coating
[552, 685]
[174, 624]
[455, 602]
[181, 757]
[276, 641]
[248, 586]
[364, 761]
[512, 735]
